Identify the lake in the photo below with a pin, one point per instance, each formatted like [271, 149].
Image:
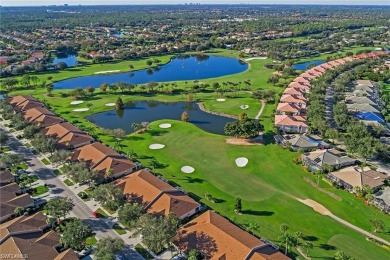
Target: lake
[149, 111]
[70, 60]
[189, 67]
[305, 65]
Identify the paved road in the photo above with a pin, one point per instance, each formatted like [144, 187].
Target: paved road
[101, 227]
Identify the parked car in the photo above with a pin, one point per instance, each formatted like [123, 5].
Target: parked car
[95, 214]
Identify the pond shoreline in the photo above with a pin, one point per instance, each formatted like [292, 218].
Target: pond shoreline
[203, 108]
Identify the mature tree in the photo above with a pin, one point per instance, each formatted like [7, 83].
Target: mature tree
[242, 117]
[107, 247]
[119, 103]
[90, 90]
[80, 173]
[59, 207]
[77, 93]
[108, 195]
[268, 95]
[18, 211]
[273, 80]
[307, 246]
[30, 130]
[378, 225]
[129, 214]
[119, 135]
[237, 206]
[3, 139]
[25, 180]
[44, 144]
[103, 87]
[340, 255]
[10, 159]
[149, 62]
[60, 156]
[75, 234]
[284, 228]
[195, 255]
[247, 128]
[61, 65]
[157, 231]
[185, 117]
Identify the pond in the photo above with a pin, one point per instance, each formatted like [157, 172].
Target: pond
[305, 65]
[149, 111]
[70, 60]
[189, 67]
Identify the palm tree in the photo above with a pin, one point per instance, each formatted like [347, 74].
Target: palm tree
[288, 241]
[298, 237]
[253, 227]
[284, 228]
[307, 246]
[18, 211]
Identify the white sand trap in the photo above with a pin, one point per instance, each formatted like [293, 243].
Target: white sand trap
[166, 125]
[187, 169]
[76, 102]
[106, 71]
[156, 146]
[256, 58]
[80, 109]
[110, 104]
[220, 99]
[244, 106]
[241, 161]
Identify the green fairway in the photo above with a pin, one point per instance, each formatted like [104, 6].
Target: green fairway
[268, 186]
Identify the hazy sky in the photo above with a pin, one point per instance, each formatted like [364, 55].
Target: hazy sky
[105, 2]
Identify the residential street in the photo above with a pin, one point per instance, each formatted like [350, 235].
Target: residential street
[101, 226]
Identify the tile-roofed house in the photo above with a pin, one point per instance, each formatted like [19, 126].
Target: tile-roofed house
[307, 76]
[36, 246]
[10, 199]
[6, 177]
[113, 167]
[28, 105]
[17, 100]
[23, 224]
[305, 142]
[302, 81]
[157, 196]
[291, 124]
[294, 91]
[67, 135]
[176, 202]
[363, 108]
[33, 113]
[299, 86]
[289, 109]
[93, 154]
[351, 177]
[216, 238]
[314, 73]
[359, 100]
[293, 99]
[321, 159]
[47, 120]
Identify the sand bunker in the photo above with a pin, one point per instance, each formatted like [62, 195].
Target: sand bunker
[187, 169]
[256, 58]
[156, 146]
[106, 71]
[241, 161]
[110, 104]
[80, 109]
[166, 125]
[244, 106]
[76, 102]
[220, 99]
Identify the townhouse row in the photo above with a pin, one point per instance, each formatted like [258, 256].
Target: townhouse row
[291, 111]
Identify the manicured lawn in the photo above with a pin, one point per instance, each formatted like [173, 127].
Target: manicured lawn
[268, 186]
[84, 196]
[68, 182]
[90, 241]
[142, 251]
[102, 213]
[45, 161]
[5, 149]
[28, 145]
[119, 229]
[57, 172]
[40, 190]
[109, 210]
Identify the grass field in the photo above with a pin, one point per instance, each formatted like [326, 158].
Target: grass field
[68, 182]
[40, 190]
[268, 186]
